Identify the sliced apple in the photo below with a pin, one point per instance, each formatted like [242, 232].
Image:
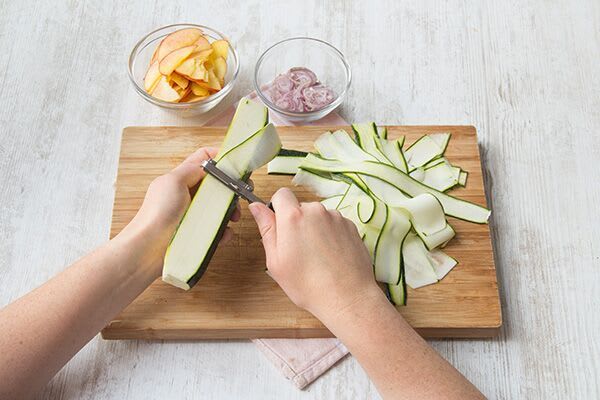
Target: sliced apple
[177, 40]
[191, 97]
[185, 94]
[220, 68]
[187, 67]
[182, 92]
[202, 44]
[220, 48]
[199, 90]
[152, 77]
[179, 80]
[200, 73]
[201, 55]
[155, 54]
[165, 92]
[213, 81]
[174, 59]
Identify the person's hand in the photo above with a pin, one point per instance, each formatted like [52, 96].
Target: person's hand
[315, 255]
[166, 200]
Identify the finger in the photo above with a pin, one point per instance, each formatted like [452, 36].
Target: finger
[237, 213]
[315, 206]
[190, 171]
[335, 213]
[284, 200]
[265, 219]
[227, 235]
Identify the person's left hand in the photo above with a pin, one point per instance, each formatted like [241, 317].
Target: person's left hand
[165, 203]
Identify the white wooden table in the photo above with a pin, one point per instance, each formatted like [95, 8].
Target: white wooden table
[526, 74]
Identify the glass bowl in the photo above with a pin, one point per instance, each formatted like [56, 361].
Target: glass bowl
[327, 62]
[141, 54]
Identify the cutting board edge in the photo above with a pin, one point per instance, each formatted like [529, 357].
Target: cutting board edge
[293, 333]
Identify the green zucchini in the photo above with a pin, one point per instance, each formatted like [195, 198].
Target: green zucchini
[400, 216]
[369, 141]
[248, 144]
[372, 229]
[434, 162]
[441, 139]
[453, 206]
[441, 262]
[286, 162]
[440, 176]
[331, 203]
[397, 293]
[323, 185]
[388, 250]
[423, 151]
[417, 265]
[462, 178]
[393, 152]
[433, 240]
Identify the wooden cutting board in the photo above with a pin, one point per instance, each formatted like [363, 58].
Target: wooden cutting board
[236, 299]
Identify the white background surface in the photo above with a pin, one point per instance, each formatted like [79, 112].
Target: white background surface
[525, 73]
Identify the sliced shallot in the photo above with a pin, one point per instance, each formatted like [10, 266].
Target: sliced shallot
[316, 97]
[302, 77]
[298, 90]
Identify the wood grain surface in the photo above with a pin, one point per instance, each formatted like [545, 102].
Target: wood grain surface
[525, 73]
[236, 298]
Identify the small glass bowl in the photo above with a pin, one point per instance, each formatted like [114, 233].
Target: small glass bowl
[327, 62]
[139, 60]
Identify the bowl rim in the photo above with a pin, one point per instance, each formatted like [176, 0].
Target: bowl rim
[213, 97]
[325, 110]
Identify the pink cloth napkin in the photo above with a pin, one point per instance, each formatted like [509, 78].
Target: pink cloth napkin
[300, 360]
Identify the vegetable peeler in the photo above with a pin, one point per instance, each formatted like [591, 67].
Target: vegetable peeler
[239, 187]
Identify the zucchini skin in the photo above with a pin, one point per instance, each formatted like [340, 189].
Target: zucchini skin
[291, 153]
[215, 243]
[213, 247]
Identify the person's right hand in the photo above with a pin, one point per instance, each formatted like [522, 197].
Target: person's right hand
[315, 255]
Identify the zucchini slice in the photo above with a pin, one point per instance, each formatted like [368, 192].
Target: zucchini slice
[442, 263]
[248, 144]
[422, 152]
[368, 140]
[453, 206]
[441, 139]
[331, 203]
[417, 265]
[441, 176]
[397, 293]
[364, 204]
[286, 162]
[434, 162]
[372, 229]
[425, 212]
[388, 251]
[396, 200]
[462, 178]
[393, 152]
[436, 239]
[339, 146]
[323, 185]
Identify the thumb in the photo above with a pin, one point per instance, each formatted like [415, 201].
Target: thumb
[265, 219]
[190, 171]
